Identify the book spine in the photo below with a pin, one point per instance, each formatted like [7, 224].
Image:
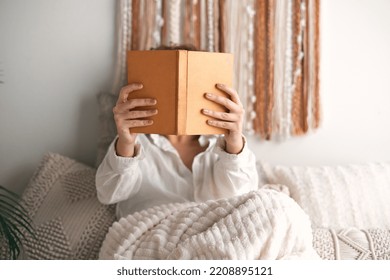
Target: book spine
[181, 93]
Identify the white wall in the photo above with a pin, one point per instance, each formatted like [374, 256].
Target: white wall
[57, 55]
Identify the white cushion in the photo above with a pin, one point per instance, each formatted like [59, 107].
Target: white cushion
[338, 196]
[352, 244]
[69, 220]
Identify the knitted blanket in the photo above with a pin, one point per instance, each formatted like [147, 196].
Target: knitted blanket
[264, 224]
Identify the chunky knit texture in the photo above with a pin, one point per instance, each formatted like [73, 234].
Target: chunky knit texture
[257, 225]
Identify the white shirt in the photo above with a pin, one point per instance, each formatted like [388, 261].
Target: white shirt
[156, 174]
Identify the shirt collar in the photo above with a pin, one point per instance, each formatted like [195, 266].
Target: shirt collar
[163, 143]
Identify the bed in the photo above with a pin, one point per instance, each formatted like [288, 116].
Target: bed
[346, 206]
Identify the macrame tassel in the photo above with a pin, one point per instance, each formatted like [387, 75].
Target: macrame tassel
[288, 80]
[316, 70]
[188, 23]
[210, 25]
[264, 65]
[298, 55]
[174, 22]
[229, 9]
[157, 25]
[147, 12]
[312, 55]
[216, 16]
[270, 63]
[197, 25]
[250, 97]
[128, 23]
[222, 25]
[135, 33]
[261, 76]
[306, 61]
[280, 63]
[203, 25]
[123, 43]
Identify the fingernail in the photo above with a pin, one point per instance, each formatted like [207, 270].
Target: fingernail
[153, 101]
[140, 85]
[206, 111]
[220, 85]
[208, 94]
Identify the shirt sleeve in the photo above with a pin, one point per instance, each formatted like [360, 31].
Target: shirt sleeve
[118, 178]
[223, 175]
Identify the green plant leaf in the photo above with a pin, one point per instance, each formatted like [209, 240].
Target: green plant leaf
[10, 239]
[17, 214]
[15, 223]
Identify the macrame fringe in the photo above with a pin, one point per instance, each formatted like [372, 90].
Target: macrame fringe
[174, 23]
[216, 17]
[123, 42]
[222, 25]
[282, 71]
[261, 68]
[298, 53]
[276, 47]
[316, 70]
[210, 25]
[248, 95]
[135, 34]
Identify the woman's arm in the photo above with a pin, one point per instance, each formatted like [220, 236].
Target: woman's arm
[118, 178]
[231, 168]
[219, 174]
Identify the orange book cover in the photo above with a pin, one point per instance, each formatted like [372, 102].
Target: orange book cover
[178, 79]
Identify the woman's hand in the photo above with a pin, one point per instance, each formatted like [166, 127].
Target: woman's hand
[231, 120]
[127, 115]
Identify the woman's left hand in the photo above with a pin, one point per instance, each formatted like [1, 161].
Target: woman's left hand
[231, 120]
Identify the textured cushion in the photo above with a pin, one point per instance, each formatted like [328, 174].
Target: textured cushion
[70, 222]
[352, 244]
[340, 196]
[107, 128]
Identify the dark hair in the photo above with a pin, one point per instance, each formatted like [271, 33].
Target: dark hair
[187, 47]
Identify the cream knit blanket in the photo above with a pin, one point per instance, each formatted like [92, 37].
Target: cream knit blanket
[264, 224]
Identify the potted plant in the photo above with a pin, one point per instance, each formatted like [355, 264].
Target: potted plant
[15, 225]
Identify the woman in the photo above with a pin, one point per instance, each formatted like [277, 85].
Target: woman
[142, 171]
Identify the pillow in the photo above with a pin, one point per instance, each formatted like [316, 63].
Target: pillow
[70, 222]
[352, 244]
[107, 128]
[340, 196]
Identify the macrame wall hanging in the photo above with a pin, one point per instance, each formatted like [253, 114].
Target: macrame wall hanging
[275, 44]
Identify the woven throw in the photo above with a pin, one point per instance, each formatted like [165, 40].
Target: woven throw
[337, 197]
[70, 222]
[258, 225]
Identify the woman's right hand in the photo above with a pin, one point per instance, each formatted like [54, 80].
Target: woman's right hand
[127, 115]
